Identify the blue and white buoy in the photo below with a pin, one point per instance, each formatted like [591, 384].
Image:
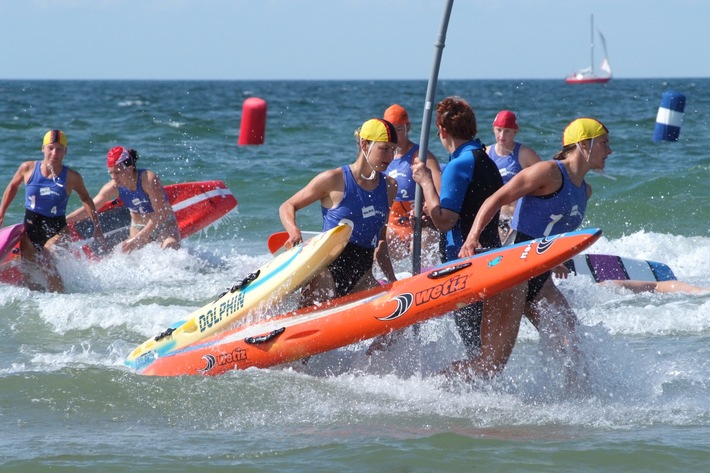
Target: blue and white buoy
[670, 117]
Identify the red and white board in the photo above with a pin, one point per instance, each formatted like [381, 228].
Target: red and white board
[196, 205]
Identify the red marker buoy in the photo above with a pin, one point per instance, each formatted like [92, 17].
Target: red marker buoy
[253, 125]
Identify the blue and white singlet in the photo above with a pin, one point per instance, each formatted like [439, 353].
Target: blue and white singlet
[400, 170]
[45, 195]
[562, 211]
[138, 200]
[508, 165]
[367, 210]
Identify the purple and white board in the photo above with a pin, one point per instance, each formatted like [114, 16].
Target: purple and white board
[605, 267]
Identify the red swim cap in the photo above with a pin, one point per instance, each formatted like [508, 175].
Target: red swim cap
[505, 119]
[117, 155]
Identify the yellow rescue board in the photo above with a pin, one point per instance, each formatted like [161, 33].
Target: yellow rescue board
[281, 276]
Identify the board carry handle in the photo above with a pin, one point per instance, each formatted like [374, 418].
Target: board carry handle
[244, 283]
[440, 273]
[265, 338]
[164, 334]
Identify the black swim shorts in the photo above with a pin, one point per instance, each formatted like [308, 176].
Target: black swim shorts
[350, 266]
[40, 228]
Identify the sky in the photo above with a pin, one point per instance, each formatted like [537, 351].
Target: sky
[347, 39]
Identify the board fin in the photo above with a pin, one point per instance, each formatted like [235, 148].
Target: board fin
[276, 241]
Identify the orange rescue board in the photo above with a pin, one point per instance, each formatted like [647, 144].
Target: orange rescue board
[309, 331]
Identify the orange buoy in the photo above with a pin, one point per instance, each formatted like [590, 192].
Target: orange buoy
[253, 125]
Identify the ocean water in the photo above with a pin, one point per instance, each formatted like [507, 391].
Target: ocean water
[67, 403]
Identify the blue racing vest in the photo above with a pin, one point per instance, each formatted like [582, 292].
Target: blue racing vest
[367, 210]
[563, 211]
[45, 195]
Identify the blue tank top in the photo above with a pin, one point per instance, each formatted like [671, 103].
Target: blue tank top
[547, 215]
[367, 210]
[401, 170]
[45, 195]
[137, 201]
[508, 165]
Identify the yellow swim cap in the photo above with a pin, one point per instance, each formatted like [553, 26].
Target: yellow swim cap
[377, 129]
[583, 129]
[55, 136]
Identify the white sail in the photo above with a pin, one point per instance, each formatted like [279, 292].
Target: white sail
[605, 66]
[605, 62]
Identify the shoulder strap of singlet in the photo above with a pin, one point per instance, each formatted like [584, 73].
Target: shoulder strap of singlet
[563, 173]
[410, 154]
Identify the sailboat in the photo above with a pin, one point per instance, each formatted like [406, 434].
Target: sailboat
[587, 75]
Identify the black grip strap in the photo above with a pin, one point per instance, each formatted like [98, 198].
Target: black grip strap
[167, 333]
[440, 273]
[244, 283]
[265, 338]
